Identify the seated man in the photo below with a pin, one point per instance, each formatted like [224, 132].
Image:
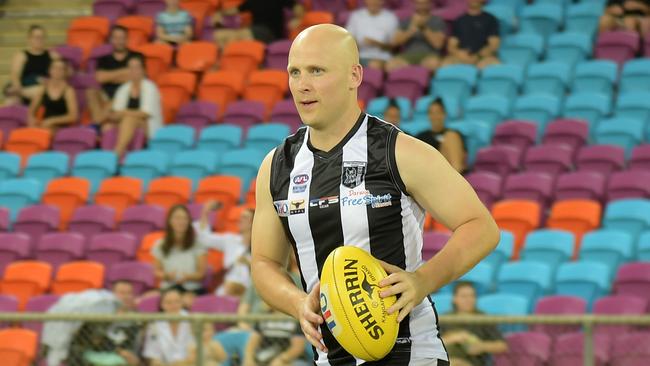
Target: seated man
[475, 38]
[174, 25]
[373, 27]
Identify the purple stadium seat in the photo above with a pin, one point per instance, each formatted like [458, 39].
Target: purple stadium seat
[640, 159]
[73, 140]
[277, 54]
[571, 132]
[81, 82]
[71, 54]
[244, 113]
[11, 118]
[631, 349]
[13, 247]
[149, 8]
[549, 159]
[371, 85]
[60, 248]
[525, 349]
[618, 46]
[111, 9]
[99, 51]
[433, 241]
[501, 160]
[568, 350]
[333, 6]
[39, 304]
[450, 10]
[197, 114]
[520, 134]
[618, 305]
[628, 184]
[109, 139]
[633, 279]
[37, 220]
[604, 159]
[111, 248]
[4, 219]
[534, 186]
[559, 305]
[581, 185]
[409, 82]
[285, 111]
[488, 186]
[140, 220]
[8, 304]
[215, 304]
[195, 212]
[92, 219]
[140, 275]
[149, 304]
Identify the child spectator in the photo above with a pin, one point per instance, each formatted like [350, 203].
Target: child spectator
[56, 100]
[373, 27]
[449, 142]
[174, 25]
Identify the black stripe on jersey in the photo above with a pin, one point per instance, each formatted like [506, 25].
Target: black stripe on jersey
[392, 161]
[435, 312]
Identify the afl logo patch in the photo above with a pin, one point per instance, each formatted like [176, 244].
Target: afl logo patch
[301, 179]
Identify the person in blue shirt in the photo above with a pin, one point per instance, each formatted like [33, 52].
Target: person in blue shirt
[174, 25]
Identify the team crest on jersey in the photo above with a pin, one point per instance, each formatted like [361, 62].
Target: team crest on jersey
[353, 173]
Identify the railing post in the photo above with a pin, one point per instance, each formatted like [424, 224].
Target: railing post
[198, 337]
[588, 347]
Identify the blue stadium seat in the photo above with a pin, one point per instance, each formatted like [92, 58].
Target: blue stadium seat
[528, 278]
[591, 107]
[234, 344]
[547, 78]
[476, 134]
[18, 193]
[443, 302]
[194, 164]
[377, 106]
[503, 251]
[505, 14]
[629, 215]
[481, 276]
[569, 48]
[95, 166]
[635, 75]
[643, 247]
[585, 279]
[597, 76]
[145, 165]
[487, 108]
[415, 127]
[517, 5]
[505, 304]
[583, 17]
[220, 138]
[267, 136]
[242, 163]
[542, 19]
[537, 108]
[634, 105]
[521, 49]
[610, 247]
[548, 246]
[624, 132]
[46, 166]
[9, 165]
[455, 81]
[173, 139]
[502, 79]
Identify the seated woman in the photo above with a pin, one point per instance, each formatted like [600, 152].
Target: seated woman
[449, 142]
[136, 105]
[56, 100]
[470, 345]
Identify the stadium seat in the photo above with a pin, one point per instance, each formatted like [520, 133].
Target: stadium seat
[92, 219]
[528, 278]
[140, 275]
[487, 185]
[72, 55]
[632, 279]
[631, 349]
[377, 106]
[111, 9]
[87, 32]
[312, 18]
[59, 248]
[198, 114]
[521, 48]
[586, 279]
[520, 134]
[415, 128]
[172, 139]
[245, 113]
[119, 193]
[517, 216]
[504, 304]
[491, 109]
[158, 58]
[618, 305]
[285, 111]
[371, 85]
[587, 106]
[633, 105]
[481, 276]
[504, 14]
[266, 86]
[577, 216]
[504, 79]
[503, 252]
[221, 138]
[596, 76]
[624, 132]
[27, 141]
[583, 17]
[14, 247]
[11, 118]
[95, 166]
[617, 46]
[533, 186]
[551, 247]
[197, 56]
[628, 184]
[109, 140]
[455, 81]
[550, 77]
[176, 88]
[67, 194]
[549, 159]
[97, 53]
[569, 350]
[571, 132]
[432, 243]
[74, 140]
[525, 348]
[569, 48]
[37, 220]
[221, 88]
[629, 215]
[38, 304]
[538, 108]
[266, 137]
[4, 219]
[541, 18]
[580, 185]
[225, 189]
[147, 243]
[277, 55]
[642, 247]
[148, 8]
[46, 166]
[229, 222]
[242, 163]
[142, 219]
[603, 159]
[442, 302]
[559, 305]
[635, 76]
[8, 304]
[194, 164]
[112, 248]
[9, 165]
[168, 191]
[18, 347]
[640, 158]
[25, 279]
[140, 29]
[18, 193]
[78, 276]
[215, 304]
[500, 160]
[475, 135]
[149, 304]
[409, 82]
[145, 165]
[242, 56]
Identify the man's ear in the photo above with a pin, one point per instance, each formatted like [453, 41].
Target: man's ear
[356, 77]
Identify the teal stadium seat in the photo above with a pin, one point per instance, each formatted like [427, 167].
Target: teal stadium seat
[583, 17]
[588, 106]
[527, 278]
[541, 19]
[610, 247]
[505, 15]
[194, 164]
[505, 304]
[521, 49]
[173, 139]
[145, 165]
[46, 166]
[220, 138]
[9, 165]
[643, 247]
[551, 77]
[504, 79]
[18, 193]
[538, 108]
[95, 166]
[266, 137]
[634, 104]
[503, 252]
[571, 47]
[635, 75]
[487, 108]
[586, 279]
[476, 134]
[377, 106]
[552, 247]
[629, 215]
[596, 76]
[621, 131]
[242, 163]
[456, 81]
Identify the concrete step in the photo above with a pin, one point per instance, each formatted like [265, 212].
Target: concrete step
[22, 25]
[19, 39]
[22, 5]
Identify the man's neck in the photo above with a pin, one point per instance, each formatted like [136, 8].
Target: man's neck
[326, 138]
[474, 11]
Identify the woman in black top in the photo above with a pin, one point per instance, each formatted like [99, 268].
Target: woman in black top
[56, 99]
[448, 142]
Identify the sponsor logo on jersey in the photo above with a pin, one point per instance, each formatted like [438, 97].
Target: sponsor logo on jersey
[377, 201]
[282, 208]
[301, 179]
[353, 173]
[324, 202]
[299, 189]
[296, 207]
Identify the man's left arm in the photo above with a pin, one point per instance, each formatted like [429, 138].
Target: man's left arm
[491, 47]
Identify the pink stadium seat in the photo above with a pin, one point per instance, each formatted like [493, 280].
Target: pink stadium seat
[371, 85]
[525, 349]
[628, 184]
[111, 248]
[39, 304]
[633, 279]
[244, 113]
[559, 305]
[277, 53]
[618, 46]
[93, 219]
[59, 248]
[571, 132]
[581, 185]
[149, 8]
[140, 275]
[71, 54]
[520, 134]
[285, 111]
[604, 159]
[37, 220]
[112, 9]
[12, 117]
[549, 159]
[97, 53]
[568, 350]
[501, 160]
[432, 243]
[73, 140]
[149, 304]
[488, 186]
[4, 219]
[109, 139]
[13, 247]
[533, 186]
[142, 219]
[618, 305]
[640, 159]
[215, 304]
[198, 114]
[632, 349]
[409, 82]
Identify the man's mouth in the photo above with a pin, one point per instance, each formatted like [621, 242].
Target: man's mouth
[308, 102]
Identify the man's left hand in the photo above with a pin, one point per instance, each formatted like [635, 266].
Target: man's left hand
[407, 284]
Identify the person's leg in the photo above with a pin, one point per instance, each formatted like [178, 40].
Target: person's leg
[98, 104]
[254, 342]
[223, 36]
[396, 63]
[450, 60]
[30, 92]
[487, 61]
[125, 133]
[431, 63]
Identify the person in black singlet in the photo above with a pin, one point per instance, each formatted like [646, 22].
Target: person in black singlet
[449, 142]
[56, 99]
[29, 68]
[349, 178]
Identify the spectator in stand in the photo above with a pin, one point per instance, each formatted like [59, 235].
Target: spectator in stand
[174, 25]
[213, 352]
[475, 38]
[137, 104]
[111, 72]
[632, 15]
[55, 102]
[29, 68]
[449, 142]
[421, 39]
[470, 345]
[373, 27]
[392, 113]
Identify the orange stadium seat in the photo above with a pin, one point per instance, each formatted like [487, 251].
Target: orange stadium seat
[267, 86]
[222, 188]
[119, 193]
[78, 276]
[2, 139]
[158, 58]
[140, 29]
[176, 88]
[221, 88]
[231, 224]
[169, 191]
[67, 194]
[578, 216]
[312, 18]
[518, 217]
[199, 10]
[198, 56]
[250, 195]
[213, 5]
[28, 141]
[18, 346]
[227, 4]
[242, 56]
[87, 33]
[26, 279]
[148, 241]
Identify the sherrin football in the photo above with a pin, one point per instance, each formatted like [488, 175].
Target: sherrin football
[352, 308]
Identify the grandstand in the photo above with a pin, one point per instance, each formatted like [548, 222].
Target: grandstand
[558, 147]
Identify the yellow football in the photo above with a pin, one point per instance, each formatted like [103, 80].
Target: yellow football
[352, 308]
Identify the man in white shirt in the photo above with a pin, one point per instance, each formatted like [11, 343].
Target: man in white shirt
[373, 27]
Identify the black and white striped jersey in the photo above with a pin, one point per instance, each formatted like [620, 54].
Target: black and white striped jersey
[353, 195]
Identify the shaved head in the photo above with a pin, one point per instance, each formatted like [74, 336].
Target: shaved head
[337, 41]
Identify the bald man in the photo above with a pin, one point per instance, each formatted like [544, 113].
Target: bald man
[351, 178]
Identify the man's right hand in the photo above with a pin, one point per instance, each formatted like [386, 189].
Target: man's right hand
[310, 318]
